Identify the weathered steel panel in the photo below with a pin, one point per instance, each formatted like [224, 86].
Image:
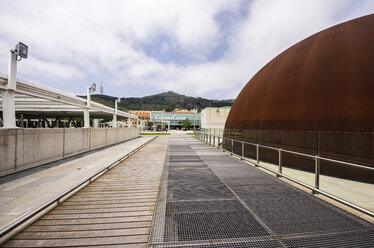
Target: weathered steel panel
[325, 83]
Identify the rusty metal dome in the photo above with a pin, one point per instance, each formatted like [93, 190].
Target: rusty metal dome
[324, 83]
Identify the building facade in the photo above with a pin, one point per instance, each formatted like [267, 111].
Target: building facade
[214, 117]
[143, 114]
[176, 119]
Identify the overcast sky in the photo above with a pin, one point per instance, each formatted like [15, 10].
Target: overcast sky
[136, 48]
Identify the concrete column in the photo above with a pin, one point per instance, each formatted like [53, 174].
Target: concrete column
[20, 120]
[114, 121]
[128, 122]
[96, 123]
[9, 111]
[86, 112]
[86, 115]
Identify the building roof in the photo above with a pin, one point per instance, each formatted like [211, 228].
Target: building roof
[35, 99]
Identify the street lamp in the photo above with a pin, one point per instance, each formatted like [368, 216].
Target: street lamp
[21, 51]
[9, 111]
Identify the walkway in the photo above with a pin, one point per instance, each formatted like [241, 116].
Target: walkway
[206, 199]
[26, 191]
[115, 210]
[209, 199]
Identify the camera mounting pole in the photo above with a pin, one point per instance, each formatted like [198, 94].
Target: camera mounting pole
[9, 112]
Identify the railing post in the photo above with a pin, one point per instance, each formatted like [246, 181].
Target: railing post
[218, 142]
[257, 155]
[279, 161]
[317, 172]
[210, 139]
[242, 149]
[232, 146]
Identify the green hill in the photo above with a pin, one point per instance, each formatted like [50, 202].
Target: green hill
[167, 101]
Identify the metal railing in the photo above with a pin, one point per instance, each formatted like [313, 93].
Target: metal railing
[62, 197]
[205, 137]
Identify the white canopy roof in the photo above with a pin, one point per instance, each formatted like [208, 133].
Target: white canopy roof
[36, 99]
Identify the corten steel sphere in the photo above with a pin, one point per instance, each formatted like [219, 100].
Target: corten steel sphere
[323, 83]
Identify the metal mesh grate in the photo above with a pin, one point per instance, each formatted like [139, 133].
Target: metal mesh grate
[234, 243]
[196, 207]
[287, 215]
[363, 239]
[207, 220]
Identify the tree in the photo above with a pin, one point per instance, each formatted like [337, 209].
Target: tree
[150, 124]
[186, 123]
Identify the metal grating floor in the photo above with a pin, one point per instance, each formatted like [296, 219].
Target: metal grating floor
[208, 199]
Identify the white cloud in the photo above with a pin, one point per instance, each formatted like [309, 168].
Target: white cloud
[81, 41]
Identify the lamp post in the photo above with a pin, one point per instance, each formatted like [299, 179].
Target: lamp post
[9, 110]
[86, 112]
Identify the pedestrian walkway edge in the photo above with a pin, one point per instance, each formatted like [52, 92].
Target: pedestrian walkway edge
[20, 224]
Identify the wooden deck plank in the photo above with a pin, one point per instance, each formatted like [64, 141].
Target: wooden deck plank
[88, 227]
[82, 234]
[111, 214]
[78, 241]
[116, 210]
[100, 210]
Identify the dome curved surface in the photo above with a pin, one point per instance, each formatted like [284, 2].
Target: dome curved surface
[324, 83]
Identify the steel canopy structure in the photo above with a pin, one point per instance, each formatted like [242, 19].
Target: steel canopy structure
[34, 99]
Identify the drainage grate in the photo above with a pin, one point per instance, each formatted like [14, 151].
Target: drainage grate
[194, 189]
[184, 158]
[225, 244]
[301, 214]
[364, 239]
[210, 220]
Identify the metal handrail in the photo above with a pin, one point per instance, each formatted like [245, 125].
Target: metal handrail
[303, 154]
[59, 197]
[317, 159]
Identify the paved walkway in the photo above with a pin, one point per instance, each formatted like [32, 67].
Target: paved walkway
[115, 210]
[25, 191]
[210, 199]
[206, 199]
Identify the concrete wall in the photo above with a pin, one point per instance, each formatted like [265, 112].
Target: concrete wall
[214, 117]
[22, 149]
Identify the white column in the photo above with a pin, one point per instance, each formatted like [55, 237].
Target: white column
[114, 121]
[86, 115]
[9, 111]
[96, 123]
[128, 122]
[88, 97]
[86, 112]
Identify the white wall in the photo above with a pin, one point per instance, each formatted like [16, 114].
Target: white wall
[22, 149]
[214, 117]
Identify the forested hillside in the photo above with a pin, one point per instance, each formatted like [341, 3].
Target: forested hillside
[167, 101]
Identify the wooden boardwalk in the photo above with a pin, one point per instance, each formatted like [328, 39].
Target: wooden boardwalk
[116, 210]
